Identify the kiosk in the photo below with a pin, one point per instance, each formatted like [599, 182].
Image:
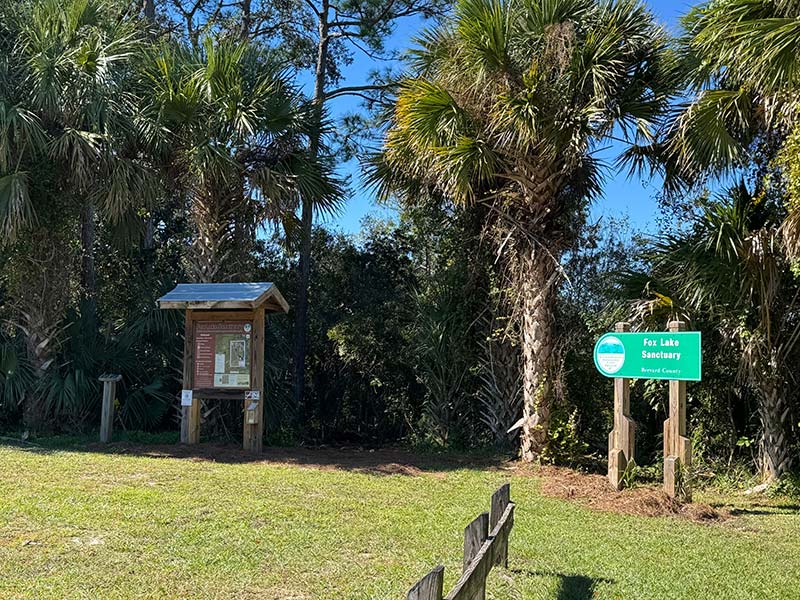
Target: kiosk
[223, 354]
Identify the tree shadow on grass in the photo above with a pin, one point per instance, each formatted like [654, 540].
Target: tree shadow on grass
[768, 509]
[376, 461]
[571, 586]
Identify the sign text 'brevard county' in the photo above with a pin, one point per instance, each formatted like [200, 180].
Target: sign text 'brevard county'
[652, 355]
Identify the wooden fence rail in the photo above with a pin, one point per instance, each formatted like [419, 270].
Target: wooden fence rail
[485, 545]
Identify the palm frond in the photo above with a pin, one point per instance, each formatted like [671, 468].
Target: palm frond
[16, 208]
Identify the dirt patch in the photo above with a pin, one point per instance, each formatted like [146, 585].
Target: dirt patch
[377, 461]
[593, 491]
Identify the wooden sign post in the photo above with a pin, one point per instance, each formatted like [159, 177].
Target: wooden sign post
[223, 357]
[675, 355]
[622, 439]
[677, 446]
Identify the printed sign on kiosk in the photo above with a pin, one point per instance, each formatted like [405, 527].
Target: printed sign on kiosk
[222, 354]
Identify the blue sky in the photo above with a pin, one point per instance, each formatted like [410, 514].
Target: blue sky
[622, 197]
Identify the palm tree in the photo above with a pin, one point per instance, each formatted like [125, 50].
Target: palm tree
[505, 104]
[730, 267]
[233, 136]
[65, 134]
[742, 72]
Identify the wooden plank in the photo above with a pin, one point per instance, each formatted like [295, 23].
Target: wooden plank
[210, 305]
[473, 580]
[475, 534]
[616, 468]
[622, 402]
[274, 298]
[429, 587]
[622, 398]
[253, 434]
[190, 415]
[667, 438]
[622, 440]
[107, 411]
[684, 464]
[677, 412]
[685, 450]
[500, 501]
[677, 446]
[220, 394]
[223, 315]
[500, 535]
[671, 476]
[624, 426]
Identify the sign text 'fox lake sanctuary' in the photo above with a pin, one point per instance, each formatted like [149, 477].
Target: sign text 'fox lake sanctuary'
[651, 355]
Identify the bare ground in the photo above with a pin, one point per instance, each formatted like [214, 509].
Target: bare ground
[589, 490]
[594, 492]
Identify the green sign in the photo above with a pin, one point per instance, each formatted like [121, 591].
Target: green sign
[656, 355]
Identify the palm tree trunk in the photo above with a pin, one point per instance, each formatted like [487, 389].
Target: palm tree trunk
[536, 274]
[774, 411]
[88, 271]
[208, 254]
[42, 303]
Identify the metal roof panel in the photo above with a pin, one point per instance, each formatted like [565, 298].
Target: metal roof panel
[223, 295]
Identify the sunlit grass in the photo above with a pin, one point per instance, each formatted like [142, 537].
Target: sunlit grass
[91, 525]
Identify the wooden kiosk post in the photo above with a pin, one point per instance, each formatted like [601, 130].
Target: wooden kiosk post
[622, 439]
[223, 356]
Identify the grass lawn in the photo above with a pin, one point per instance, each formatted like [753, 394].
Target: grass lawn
[123, 524]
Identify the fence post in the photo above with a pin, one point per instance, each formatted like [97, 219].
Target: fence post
[107, 411]
[430, 587]
[475, 534]
[500, 501]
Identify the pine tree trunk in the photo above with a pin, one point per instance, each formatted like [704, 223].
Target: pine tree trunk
[307, 221]
[247, 18]
[536, 278]
[149, 10]
[774, 451]
[301, 306]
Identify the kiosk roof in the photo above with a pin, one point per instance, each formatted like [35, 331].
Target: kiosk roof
[218, 296]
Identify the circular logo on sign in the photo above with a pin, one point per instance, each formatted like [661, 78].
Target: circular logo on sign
[247, 327]
[610, 354]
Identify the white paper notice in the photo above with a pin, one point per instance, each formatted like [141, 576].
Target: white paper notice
[186, 397]
[219, 363]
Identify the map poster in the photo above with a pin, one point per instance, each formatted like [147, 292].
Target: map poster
[222, 351]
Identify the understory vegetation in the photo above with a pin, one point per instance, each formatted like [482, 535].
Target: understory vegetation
[143, 144]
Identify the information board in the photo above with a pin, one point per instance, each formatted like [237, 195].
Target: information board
[222, 354]
[656, 355]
